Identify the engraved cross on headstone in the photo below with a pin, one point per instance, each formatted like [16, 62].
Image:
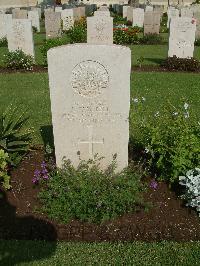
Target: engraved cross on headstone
[91, 141]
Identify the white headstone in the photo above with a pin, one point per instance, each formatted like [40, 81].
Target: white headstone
[182, 37]
[90, 91]
[149, 8]
[130, 14]
[187, 12]
[67, 17]
[125, 8]
[172, 13]
[5, 23]
[58, 9]
[138, 17]
[100, 30]
[102, 13]
[35, 19]
[151, 22]
[20, 36]
[38, 9]
[53, 25]
[20, 14]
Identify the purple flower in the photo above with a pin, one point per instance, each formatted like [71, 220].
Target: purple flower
[35, 180]
[154, 184]
[46, 176]
[44, 171]
[43, 164]
[37, 173]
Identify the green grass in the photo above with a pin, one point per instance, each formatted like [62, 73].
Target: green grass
[142, 254]
[32, 91]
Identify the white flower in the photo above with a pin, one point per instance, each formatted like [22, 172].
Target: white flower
[186, 105]
[186, 115]
[157, 114]
[135, 100]
[175, 113]
[143, 99]
[146, 150]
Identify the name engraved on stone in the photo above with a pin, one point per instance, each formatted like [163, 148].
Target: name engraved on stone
[90, 142]
[89, 79]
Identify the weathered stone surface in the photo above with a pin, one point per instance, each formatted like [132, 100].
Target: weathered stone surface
[151, 22]
[58, 9]
[5, 23]
[100, 30]
[20, 14]
[20, 36]
[172, 13]
[67, 16]
[89, 89]
[149, 8]
[130, 14]
[138, 17]
[125, 8]
[76, 14]
[53, 24]
[187, 12]
[37, 9]
[35, 19]
[81, 10]
[182, 37]
[102, 13]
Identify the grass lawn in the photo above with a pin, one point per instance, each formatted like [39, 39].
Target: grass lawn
[51, 253]
[31, 91]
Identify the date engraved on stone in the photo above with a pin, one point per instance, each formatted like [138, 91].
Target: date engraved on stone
[89, 79]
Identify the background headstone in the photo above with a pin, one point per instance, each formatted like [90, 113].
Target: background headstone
[5, 23]
[125, 11]
[90, 102]
[151, 22]
[100, 30]
[67, 16]
[172, 13]
[138, 17]
[53, 24]
[20, 36]
[19, 14]
[148, 8]
[130, 14]
[182, 37]
[35, 19]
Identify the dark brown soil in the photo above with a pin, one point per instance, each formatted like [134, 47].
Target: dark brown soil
[146, 68]
[167, 219]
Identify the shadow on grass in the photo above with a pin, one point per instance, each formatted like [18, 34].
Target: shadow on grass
[157, 61]
[17, 228]
[47, 135]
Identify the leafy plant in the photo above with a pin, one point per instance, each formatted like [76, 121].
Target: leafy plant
[140, 60]
[197, 42]
[18, 60]
[170, 140]
[182, 64]
[151, 39]
[88, 193]
[126, 36]
[14, 136]
[191, 182]
[35, 30]
[50, 43]
[78, 33]
[4, 177]
[3, 42]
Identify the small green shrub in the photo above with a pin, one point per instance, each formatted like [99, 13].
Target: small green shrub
[89, 194]
[126, 36]
[50, 43]
[191, 183]
[3, 42]
[78, 33]
[4, 177]
[18, 60]
[34, 29]
[182, 64]
[169, 140]
[151, 39]
[197, 42]
[15, 135]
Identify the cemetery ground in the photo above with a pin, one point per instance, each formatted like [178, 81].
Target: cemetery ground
[163, 218]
